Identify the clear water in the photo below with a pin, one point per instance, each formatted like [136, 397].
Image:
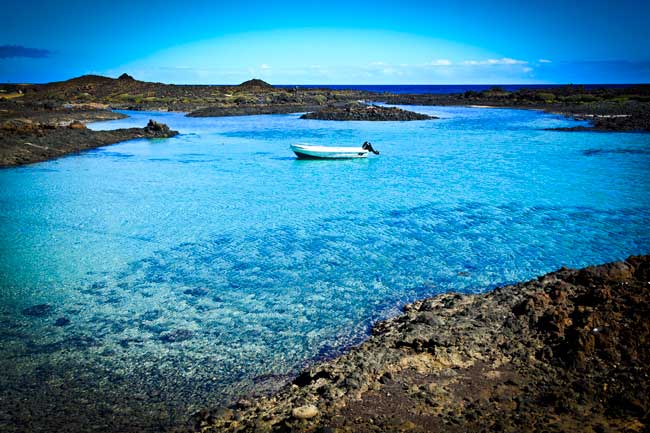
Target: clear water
[293, 260]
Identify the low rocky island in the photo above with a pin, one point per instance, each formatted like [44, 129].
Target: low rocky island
[25, 141]
[565, 352]
[360, 111]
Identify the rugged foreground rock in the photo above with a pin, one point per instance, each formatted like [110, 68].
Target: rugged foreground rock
[23, 141]
[358, 111]
[566, 352]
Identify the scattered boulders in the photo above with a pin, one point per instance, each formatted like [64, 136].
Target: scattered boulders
[40, 310]
[359, 111]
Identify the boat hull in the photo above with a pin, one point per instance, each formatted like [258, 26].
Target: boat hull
[322, 152]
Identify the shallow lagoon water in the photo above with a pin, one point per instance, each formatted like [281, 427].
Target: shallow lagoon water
[197, 269]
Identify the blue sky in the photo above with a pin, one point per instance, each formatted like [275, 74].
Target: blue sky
[335, 42]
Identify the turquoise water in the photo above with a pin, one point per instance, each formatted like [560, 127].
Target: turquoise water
[203, 267]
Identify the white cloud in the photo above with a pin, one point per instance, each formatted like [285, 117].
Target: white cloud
[440, 62]
[501, 61]
[264, 66]
[544, 61]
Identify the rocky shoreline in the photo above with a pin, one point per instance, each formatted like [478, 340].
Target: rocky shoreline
[565, 352]
[359, 111]
[607, 109]
[23, 141]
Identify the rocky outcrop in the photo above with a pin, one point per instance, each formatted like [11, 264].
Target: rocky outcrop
[23, 141]
[158, 130]
[359, 111]
[565, 352]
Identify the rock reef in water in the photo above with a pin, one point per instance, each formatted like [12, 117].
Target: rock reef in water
[359, 111]
[566, 352]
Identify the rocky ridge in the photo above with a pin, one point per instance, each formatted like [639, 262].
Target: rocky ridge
[24, 141]
[565, 352]
[360, 111]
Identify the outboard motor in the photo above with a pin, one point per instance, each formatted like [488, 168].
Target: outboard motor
[367, 146]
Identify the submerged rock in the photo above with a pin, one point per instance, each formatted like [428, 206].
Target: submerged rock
[39, 310]
[176, 335]
[197, 291]
[62, 321]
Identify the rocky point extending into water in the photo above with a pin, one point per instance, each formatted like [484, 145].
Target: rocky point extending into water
[359, 111]
[24, 141]
[625, 109]
[567, 352]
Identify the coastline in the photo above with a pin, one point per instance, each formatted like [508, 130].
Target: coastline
[564, 352]
[33, 118]
[23, 141]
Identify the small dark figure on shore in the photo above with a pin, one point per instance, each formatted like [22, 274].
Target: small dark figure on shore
[367, 146]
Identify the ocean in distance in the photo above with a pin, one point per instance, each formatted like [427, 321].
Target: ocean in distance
[440, 88]
[144, 281]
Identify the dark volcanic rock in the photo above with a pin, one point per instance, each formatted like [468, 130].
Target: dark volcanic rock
[567, 352]
[39, 310]
[155, 129]
[125, 76]
[76, 125]
[32, 143]
[358, 111]
[248, 110]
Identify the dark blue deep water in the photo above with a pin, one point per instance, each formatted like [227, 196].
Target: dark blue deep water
[442, 88]
[196, 269]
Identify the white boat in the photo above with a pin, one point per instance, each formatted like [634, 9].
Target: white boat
[306, 151]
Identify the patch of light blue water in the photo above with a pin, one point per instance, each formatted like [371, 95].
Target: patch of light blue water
[294, 259]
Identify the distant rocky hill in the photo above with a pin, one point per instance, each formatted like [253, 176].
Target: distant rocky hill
[255, 84]
[250, 97]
